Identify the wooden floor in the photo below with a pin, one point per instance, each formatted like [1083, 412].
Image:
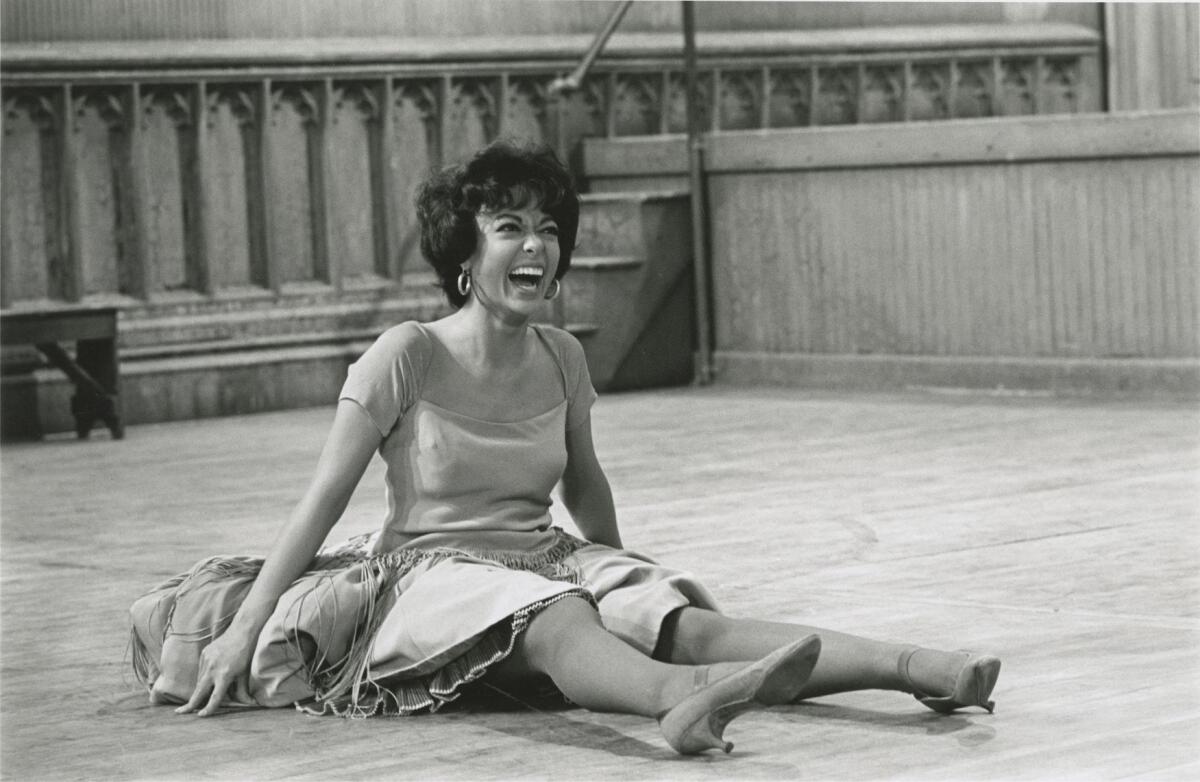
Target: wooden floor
[1062, 535]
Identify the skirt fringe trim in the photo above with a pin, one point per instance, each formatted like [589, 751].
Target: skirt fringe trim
[370, 698]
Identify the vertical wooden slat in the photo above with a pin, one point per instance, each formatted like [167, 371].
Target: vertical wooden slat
[903, 291]
[137, 232]
[949, 260]
[502, 106]
[377, 164]
[7, 256]
[328, 261]
[908, 90]
[386, 184]
[1189, 267]
[1036, 94]
[937, 278]
[1108, 263]
[445, 96]
[997, 87]
[956, 187]
[610, 127]
[764, 114]
[1157, 302]
[1140, 313]
[664, 102]
[717, 92]
[72, 239]
[1130, 273]
[1063, 252]
[860, 92]
[271, 263]
[1082, 307]
[1115, 260]
[203, 263]
[953, 76]
[814, 92]
[1094, 217]
[258, 258]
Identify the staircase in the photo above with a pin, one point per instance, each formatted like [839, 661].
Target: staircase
[628, 295]
[628, 299]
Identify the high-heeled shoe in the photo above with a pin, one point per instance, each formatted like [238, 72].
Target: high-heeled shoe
[972, 687]
[698, 721]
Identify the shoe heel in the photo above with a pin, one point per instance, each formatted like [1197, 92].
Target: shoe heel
[697, 723]
[706, 734]
[973, 686]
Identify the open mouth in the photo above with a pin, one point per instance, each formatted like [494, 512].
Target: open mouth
[526, 278]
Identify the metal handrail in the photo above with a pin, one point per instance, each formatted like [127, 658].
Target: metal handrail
[700, 258]
[571, 81]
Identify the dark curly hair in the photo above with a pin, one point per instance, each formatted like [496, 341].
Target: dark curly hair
[503, 175]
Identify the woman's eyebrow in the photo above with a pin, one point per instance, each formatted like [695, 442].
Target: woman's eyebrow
[520, 218]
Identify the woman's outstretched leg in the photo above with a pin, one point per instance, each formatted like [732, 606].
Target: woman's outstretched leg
[848, 662]
[599, 671]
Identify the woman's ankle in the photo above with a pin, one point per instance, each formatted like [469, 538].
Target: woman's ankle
[930, 671]
[691, 678]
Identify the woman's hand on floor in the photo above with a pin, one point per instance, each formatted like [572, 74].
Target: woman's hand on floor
[224, 663]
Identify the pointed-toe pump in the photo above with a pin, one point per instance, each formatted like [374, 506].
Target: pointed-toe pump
[972, 687]
[697, 723]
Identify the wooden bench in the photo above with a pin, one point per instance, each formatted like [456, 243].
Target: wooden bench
[94, 370]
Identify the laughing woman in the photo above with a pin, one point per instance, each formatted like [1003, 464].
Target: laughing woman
[478, 416]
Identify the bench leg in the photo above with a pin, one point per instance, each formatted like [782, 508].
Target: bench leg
[94, 374]
[98, 358]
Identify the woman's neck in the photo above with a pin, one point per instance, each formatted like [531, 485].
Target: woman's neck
[486, 341]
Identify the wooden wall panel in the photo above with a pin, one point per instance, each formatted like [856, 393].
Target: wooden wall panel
[166, 153]
[414, 152]
[28, 229]
[97, 188]
[227, 172]
[353, 156]
[1153, 55]
[1092, 258]
[293, 140]
[525, 110]
[471, 116]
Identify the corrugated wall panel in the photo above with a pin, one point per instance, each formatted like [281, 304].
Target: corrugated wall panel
[1092, 258]
[1154, 55]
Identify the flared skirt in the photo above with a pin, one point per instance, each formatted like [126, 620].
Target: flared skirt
[364, 633]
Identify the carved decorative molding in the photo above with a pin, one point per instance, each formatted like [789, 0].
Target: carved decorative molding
[229, 209]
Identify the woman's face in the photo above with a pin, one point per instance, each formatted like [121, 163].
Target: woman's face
[516, 256]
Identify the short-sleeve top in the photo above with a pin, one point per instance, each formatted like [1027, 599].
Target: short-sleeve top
[451, 472]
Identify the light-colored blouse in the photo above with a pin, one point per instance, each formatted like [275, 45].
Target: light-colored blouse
[451, 472]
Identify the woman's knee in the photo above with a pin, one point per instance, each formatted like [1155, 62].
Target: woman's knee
[561, 623]
[686, 634]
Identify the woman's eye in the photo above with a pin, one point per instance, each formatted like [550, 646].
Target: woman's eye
[508, 227]
[550, 229]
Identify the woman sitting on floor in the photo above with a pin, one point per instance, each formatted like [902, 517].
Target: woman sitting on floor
[478, 416]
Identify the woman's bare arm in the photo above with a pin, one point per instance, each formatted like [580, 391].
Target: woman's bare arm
[585, 489]
[352, 441]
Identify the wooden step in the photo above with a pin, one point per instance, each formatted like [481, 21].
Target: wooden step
[627, 224]
[634, 259]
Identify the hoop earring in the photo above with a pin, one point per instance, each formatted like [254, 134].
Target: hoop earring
[464, 282]
[553, 291]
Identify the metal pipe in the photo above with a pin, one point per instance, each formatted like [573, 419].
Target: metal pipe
[695, 143]
[572, 81]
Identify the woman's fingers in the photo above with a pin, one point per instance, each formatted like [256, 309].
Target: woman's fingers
[217, 679]
[220, 686]
[203, 687]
